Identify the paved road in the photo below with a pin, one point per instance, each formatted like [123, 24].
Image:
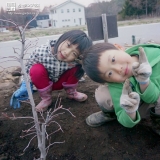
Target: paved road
[143, 32]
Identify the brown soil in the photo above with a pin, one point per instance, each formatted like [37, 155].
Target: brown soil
[108, 142]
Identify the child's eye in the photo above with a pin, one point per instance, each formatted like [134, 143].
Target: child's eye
[113, 59]
[109, 74]
[75, 54]
[68, 44]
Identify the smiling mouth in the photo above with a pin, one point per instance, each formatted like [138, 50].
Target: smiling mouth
[61, 55]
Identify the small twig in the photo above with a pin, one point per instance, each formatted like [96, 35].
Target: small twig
[54, 132]
[14, 118]
[8, 61]
[32, 130]
[5, 115]
[30, 21]
[69, 112]
[29, 123]
[55, 110]
[59, 102]
[41, 113]
[58, 125]
[49, 119]
[29, 48]
[15, 50]
[53, 144]
[30, 44]
[8, 57]
[29, 143]
[46, 134]
[55, 106]
[28, 130]
[14, 57]
[28, 134]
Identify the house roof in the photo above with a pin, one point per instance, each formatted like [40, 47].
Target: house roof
[47, 9]
[66, 2]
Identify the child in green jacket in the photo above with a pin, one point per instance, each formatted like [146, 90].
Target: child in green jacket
[132, 79]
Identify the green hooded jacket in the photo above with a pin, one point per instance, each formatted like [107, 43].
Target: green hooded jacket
[152, 92]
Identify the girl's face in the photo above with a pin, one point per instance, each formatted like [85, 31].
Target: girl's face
[67, 52]
[116, 65]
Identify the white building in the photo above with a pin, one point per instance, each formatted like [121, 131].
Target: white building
[67, 14]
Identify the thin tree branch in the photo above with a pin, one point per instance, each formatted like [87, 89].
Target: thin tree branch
[28, 134]
[30, 21]
[29, 143]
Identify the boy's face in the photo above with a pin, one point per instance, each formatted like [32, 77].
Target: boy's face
[116, 65]
[67, 52]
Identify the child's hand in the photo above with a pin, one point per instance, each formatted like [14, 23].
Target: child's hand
[142, 70]
[129, 100]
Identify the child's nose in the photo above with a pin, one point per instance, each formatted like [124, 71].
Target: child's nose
[67, 52]
[119, 69]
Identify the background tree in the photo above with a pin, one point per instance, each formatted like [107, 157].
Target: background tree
[107, 7]
[133, 8]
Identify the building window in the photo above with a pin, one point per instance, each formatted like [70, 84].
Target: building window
[61, 10]
[68, 10]
[79, 10]
[74, 20]
[68, 19]
[73, 10]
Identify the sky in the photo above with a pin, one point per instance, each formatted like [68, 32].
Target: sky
[44, 2]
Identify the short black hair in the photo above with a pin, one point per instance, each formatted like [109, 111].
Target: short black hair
[90, 60]
[77, 37]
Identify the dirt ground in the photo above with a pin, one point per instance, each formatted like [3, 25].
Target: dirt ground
[108, 142]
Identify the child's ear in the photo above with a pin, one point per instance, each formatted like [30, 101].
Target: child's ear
[119, 47]
[80, 56]
[78, 60]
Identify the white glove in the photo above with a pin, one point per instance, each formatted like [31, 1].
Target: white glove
[129, 100]
[142, 70]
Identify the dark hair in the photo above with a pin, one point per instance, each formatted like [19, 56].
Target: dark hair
[90, 60]
[79, 38]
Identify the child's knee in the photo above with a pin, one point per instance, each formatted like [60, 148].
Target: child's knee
[103, 97]
[37, 70]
